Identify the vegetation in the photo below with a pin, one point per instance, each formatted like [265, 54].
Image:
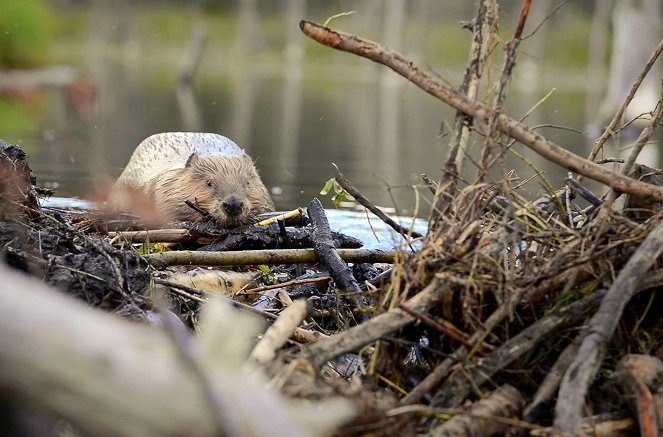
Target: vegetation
[26, 29]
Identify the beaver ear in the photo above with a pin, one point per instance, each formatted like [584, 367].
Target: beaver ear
[191, 161]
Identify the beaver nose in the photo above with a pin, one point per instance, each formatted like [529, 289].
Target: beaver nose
[233, 206]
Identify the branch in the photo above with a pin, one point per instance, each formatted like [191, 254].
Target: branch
[600, 330]
[257, 257]
[620, 112]
[506, 125]
[641, 142]
[483, 24]
[363, 201]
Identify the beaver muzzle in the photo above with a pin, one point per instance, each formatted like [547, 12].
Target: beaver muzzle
[233, 206]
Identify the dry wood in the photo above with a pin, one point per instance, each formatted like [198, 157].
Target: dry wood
[455, 389]
[510, 48]
[375, 328]
[610, 130]
[70, 344]
[326, 252]
[155, 236]
[483, 417]
[568, 411]
[280, 331]
[347, 186]
[505, 125]
[109, 376]
[641, 142]
[442, 370]
[483, 25]
[257, 257]
[282, 216]
[550, 384]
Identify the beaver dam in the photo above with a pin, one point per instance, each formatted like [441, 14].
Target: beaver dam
[509, 316]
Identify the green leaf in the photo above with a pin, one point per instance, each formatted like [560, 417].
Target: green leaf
[328, 186]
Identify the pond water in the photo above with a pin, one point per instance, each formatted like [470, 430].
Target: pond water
[372, 231]
[294, 106]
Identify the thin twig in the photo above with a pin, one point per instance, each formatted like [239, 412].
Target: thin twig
[608, 132]
[347, 186]
[506, 125]
[578, 377]
[642, 140]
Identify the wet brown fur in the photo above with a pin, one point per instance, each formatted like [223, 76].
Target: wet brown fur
[229, 175]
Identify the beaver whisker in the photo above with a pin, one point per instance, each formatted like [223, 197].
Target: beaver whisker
[195, 207]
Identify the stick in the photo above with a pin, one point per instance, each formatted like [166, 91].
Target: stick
[458, 387]
[607, 133]
[642, 140]
[375, 328]
[347, 186]
[323, 245]
[257, 257]
[506, 125]
[505, 402]
[484, 24]
[280, 331]
[600, 330]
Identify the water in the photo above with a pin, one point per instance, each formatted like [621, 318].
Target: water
[295, 106]
[372, 231]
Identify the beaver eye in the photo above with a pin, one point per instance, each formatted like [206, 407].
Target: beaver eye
[209, 183]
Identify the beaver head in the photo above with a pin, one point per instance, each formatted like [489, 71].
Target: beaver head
[227, 188]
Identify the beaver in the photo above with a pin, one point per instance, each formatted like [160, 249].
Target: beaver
[206, 170]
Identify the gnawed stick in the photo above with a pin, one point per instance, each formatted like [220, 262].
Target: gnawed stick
[300, 334]
[347, 186]
[571, 398]
[280, 331]
[506, 125]
[257, 257]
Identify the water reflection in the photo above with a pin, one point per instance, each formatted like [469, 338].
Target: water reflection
[294, 106]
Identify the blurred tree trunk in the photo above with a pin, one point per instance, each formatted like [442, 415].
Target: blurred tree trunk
[636, 32]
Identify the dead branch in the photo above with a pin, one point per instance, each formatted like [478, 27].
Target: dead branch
[641, 142]
[258, 257]
[148, 387]
[454, 391]
[325, 251]
[373, 329]
[550, 384]
[483, 25]
[506, 125]
[610, 130]
[280, 331]
[483, 417]
[601, 327]
[347, 186]
[498, 104]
